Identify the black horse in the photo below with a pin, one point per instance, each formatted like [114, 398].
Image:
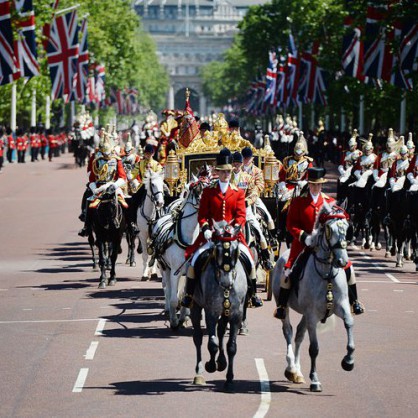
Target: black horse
[108, 222]
[412, 199]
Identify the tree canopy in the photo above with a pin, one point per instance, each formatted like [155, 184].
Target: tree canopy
[116, 40]
[268, 26]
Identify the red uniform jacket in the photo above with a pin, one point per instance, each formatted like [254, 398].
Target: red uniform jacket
[214, 205]
[11, 142]
[301, 218]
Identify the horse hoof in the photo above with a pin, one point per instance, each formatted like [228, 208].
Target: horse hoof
[174, 327]
[315, 387]
[229, 387]
[133, 264]
[199, 380]
[95, 268]
[210, 366]
[347, 366]
[399, 264]
[144, 278]
[294, 377]
[112, 282]
[102, 285]
[387, 254]
[221, 364]
[379, 246]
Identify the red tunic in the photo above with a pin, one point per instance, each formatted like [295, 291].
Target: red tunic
[214, 205]
[301, 218]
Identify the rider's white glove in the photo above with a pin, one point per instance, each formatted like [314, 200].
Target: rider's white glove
[100, 189]
[129, 175]
[309, 241]
[208, 235]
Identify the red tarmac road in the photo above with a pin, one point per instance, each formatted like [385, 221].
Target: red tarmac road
[68, 349]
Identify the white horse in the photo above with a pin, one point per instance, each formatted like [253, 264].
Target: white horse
[172, 234]
[322, 291]
[153, 199]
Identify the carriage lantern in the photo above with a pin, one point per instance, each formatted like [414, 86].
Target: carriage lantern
[172, 169]
[271, 172]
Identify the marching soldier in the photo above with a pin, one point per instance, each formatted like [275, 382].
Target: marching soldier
[300, 222]
[21, 145]
[2, 144]
[11, 145]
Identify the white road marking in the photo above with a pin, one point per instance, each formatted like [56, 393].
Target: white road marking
[3, 290]
[27, 309]
[47, 321]
[391, 277]
[381, 281]
[398, 290]
[100, 326]
[409, 312]
[91, 350]
[371, 310]
[265, 389]
[66, 308]
[354, 246]
[81, 379]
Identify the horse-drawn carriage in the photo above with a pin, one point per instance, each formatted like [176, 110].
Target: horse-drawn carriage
[185, 164]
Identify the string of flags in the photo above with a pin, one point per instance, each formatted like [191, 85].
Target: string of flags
[73, 76]
[368, 54]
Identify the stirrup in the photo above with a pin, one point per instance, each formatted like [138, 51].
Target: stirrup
[280, 312]
[256, 302]
[357, 308]
[85, 232]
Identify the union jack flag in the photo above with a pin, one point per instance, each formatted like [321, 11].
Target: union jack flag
[353, 51]
[25, 45]
[281, 94]
[376, 49]
[62, 53]
[271, 77]
[293, 72]
[408, 50]
[314, 85]
[7, 57]
[82, 64]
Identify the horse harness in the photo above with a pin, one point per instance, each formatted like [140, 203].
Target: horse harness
[333, 271]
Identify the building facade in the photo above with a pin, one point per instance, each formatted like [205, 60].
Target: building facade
[190, 34]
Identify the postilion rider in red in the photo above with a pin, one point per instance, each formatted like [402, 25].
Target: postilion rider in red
[220, 201]
[300, 222]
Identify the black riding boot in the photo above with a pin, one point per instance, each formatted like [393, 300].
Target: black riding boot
[86, 231]
[356, 306]
[190, 286]
[256, 301]
[267, 264]
[280, 312]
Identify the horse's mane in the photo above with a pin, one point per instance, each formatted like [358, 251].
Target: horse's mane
[328, 210]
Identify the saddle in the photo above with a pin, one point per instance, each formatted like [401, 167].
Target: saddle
[206, 257]
[298, 268]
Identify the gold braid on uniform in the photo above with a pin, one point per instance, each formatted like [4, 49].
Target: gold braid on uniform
[100, 173]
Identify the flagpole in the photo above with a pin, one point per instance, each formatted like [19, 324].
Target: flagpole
[361, 115]
[33, 109]
[300, 122]
[13, 109]
[48, 112]
[69, 9]
[402, 124]
[342, 127]
[72, 115]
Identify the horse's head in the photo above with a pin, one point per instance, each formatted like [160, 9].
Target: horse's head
[154, 183]
[196, 189]
[332, 225]
[226, 252]
[109, 210]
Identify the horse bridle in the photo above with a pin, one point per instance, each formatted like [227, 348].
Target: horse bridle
[153, 195]
[341, 244]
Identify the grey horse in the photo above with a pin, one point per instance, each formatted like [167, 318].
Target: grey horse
[220, 293]
[321, 291]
